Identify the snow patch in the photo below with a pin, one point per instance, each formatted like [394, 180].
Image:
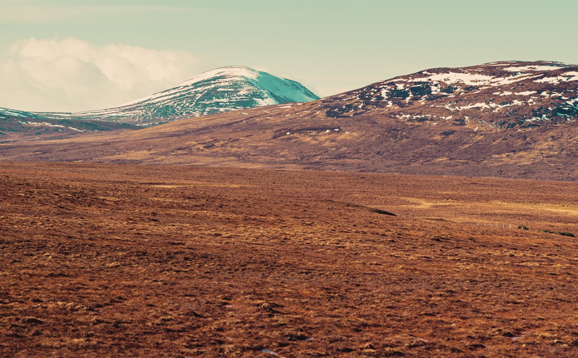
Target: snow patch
[46, 124]
[230, 71]
[457, 77]
[565, 77]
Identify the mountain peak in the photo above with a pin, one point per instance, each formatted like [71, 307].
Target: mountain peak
[234, 71]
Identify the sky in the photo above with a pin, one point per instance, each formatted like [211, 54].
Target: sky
[72, 55]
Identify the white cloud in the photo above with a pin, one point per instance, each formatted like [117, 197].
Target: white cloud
[74, 75]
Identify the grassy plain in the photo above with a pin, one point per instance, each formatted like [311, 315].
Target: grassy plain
[100, 260]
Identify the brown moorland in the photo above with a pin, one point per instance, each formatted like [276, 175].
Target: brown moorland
[279, 138]
[100, 260]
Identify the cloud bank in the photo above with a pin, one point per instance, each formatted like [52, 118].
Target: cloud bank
[73, 75]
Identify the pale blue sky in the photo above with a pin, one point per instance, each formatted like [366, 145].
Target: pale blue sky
[329, 45]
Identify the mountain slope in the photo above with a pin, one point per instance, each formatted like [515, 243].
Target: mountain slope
[17, 128]
[479, 128]
[222, 90]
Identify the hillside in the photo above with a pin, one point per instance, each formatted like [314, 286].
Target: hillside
[498, 95]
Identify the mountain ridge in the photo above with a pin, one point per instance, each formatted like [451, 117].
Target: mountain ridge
[479, 128]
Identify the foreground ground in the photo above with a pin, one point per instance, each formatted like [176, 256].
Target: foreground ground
[110, 261]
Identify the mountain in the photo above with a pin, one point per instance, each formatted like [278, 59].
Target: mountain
[222, 90]
[504, 119]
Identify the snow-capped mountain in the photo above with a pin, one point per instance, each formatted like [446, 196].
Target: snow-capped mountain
[497, 95]
[221, 90]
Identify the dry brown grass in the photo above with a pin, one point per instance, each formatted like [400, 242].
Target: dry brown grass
[109, 261]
